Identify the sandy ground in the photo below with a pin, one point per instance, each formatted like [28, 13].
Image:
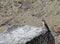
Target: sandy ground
[31, 12]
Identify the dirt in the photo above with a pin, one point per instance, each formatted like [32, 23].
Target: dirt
[31, 12]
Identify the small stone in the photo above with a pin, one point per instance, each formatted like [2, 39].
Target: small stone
[58, 33]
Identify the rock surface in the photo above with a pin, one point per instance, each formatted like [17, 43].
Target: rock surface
[20, 34]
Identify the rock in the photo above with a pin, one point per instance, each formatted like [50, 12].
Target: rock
[24, 34]
[58, 33]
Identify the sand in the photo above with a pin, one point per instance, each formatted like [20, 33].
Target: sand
[31, 12]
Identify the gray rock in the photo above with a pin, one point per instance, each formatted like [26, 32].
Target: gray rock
[24, 34]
